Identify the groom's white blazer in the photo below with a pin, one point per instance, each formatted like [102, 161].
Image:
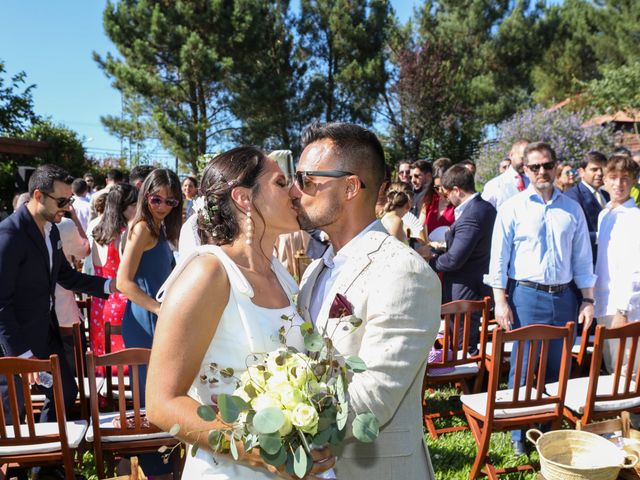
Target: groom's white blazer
[397, 295]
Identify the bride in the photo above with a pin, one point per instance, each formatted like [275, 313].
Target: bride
[223, 302]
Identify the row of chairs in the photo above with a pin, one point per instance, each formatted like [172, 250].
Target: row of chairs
[112, 419]
[583, 399]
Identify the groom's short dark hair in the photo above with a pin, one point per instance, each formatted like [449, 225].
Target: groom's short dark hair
[359, 149]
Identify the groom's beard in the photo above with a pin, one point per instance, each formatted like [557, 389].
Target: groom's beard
[319, 218]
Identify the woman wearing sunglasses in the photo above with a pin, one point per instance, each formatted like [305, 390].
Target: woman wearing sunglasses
[146, 263]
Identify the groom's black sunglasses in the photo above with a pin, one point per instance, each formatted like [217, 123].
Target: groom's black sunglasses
[301, 176]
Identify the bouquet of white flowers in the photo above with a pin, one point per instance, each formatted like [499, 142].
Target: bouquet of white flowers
[288, 402]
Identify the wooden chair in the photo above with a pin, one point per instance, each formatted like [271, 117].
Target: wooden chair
[82, 401]
[462, 366]
[116, 430]
[499, 410]
[601, 396]
[25, 442]
[109, 330]
[582, 352]
[111, 382]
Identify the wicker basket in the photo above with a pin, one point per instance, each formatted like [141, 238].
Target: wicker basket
[576, 455]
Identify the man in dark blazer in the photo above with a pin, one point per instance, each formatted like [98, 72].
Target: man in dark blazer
[588, 193]
[31, 263]
[468, 243]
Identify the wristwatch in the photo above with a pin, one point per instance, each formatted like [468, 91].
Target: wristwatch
[622, 312]
[588, 300]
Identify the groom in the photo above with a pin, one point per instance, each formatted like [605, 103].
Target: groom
[388, 285]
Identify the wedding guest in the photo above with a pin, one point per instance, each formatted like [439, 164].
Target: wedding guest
[146, 263]
[139, 173]
[504, 164]
[75, 246]
[441, 164]
[81, 204]
[539, 247]
[468, 244]
[469, 165]
[223, 304]
[148, 258]
[189, 191]
[120, 208]
[33, 263]
[438, 211]
[404, 171]
[590, 194]
[421, 180]
[565, 177]
[91, 185]
[617, 290]
[499, 189]
[114, 176]
[398, 204]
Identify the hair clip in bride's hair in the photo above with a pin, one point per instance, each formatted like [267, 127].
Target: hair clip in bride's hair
[232, 183]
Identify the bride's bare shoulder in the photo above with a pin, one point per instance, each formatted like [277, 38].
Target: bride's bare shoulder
[203, 275]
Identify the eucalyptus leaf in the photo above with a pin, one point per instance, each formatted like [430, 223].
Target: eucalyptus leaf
[277, 459]
[306, 327]
[300, 461]
[366, 427]
[250, 441]
[233, 448]
[230, 407]
[322, 437]
[270, 443]
[206, 413]
[214, 439]
[356, 364]
[174, 430]
[340, 389]
[342, 415]
[194, 449]
[268, 420]
[313, 341]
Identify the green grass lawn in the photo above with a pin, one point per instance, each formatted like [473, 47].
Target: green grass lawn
[453, 453]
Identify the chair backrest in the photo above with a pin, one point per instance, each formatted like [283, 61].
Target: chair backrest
[536, 341]
[79, 358]
[457, 331]
[11, 368]
[131, 422]
[626, 374]
[109, 330]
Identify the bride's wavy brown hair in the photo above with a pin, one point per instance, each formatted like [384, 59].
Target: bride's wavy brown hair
[238, 167]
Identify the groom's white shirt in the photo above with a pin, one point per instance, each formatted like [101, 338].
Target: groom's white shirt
[332, 266]
[397, 295]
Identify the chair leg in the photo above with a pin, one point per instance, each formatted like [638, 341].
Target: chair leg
[99, 459]
[482, 439]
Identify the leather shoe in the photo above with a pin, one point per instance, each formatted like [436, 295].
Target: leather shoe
[518, 447]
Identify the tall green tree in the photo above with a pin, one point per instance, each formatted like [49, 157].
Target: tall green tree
[342, 44]
[266, 83]
[16, 103]
[174, 56]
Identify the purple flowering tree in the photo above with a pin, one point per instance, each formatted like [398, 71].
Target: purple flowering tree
[562, 129]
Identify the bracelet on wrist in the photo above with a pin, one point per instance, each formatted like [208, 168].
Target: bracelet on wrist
[588, 300]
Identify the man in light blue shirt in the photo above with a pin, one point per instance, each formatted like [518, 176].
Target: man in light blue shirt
[540, 244]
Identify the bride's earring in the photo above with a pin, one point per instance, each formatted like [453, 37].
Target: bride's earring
[249, 232]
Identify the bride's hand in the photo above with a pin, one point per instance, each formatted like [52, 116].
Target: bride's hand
[323, 460]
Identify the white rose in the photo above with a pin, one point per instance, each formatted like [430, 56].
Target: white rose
[305, 417]
[264, 400]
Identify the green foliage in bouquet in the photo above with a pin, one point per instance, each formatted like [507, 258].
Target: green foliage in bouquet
[288, 402]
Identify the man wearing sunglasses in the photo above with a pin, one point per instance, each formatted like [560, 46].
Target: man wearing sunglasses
[31, 264]
[540, 244]
[384, 283]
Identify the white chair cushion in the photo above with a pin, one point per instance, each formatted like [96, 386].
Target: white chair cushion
[578, 341]
[468, 369]
[478, 403]
[508, 348]
[577, 394]
[106, 421]
[128, 394]
[75, 432]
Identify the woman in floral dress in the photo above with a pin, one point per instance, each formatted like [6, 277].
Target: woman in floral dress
[107, 244]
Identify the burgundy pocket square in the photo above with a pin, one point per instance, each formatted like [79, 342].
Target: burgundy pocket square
[340, 307]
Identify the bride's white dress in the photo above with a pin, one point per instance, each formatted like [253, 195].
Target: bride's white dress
[244, 328]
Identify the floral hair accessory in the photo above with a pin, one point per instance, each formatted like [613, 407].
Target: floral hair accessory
[200, 207]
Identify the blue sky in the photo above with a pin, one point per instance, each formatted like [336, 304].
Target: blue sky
[53, 41]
